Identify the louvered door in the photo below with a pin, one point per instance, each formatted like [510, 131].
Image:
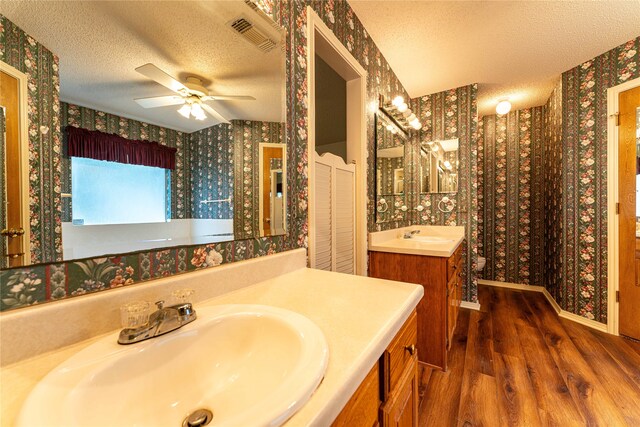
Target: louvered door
[335, 221]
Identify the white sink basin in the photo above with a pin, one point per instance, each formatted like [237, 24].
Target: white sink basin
[431, 239]
[250, 365]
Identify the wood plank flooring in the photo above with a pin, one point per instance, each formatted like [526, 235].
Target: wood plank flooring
[516, 363]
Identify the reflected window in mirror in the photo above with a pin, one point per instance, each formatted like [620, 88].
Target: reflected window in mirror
[439, 165]
[117, 193]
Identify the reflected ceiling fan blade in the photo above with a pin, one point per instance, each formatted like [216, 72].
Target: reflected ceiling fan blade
[227, 97]
[159, 76]
[214, 113]
[160, 101]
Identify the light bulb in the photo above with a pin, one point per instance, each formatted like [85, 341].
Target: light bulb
[398, 101]
[394, 131]
[416, 125]
[196, 110]
[503, 107]
[390, 127]
[185, 111]
[411, 118]
[447, 164]
[402, 107]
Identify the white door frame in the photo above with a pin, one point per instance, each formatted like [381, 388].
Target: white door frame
[613, 197]
[24, 155]
[322, 41]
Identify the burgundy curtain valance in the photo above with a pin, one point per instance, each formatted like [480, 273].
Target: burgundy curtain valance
[94, 144]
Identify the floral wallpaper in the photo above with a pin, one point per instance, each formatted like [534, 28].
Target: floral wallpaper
[448, 115]
[511, 196]
[553, 193]
[387, 167]
[87, 118]
[24, 53]
[247, 136]
[390, 210]
[583, 289]
[211, 172]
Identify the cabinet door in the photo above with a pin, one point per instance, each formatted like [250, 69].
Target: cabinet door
[451, 309]
[401, 410]
[362, 408]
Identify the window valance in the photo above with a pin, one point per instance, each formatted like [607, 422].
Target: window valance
[94, 144]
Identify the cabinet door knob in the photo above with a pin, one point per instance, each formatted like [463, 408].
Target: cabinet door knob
[411, 349]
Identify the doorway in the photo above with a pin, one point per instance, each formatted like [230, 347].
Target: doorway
[323, 43]
[629, 212]
[272, 160]
[14, 212]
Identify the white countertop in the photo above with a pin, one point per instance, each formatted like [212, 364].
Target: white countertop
[358, 315]
[394, 242]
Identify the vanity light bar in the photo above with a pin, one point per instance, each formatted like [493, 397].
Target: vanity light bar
[401, 113]
[399, 129]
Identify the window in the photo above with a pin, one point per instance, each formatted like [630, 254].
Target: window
[117, 193]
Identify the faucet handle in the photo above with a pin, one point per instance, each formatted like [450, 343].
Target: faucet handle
[160, 304]
[182, 295]
[134, 314]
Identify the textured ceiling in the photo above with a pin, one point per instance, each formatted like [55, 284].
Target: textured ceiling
[515, 49]
[101, 43]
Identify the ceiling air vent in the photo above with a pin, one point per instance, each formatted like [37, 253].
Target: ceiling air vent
[251, 33]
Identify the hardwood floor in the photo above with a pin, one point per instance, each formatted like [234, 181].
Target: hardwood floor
[516, 363]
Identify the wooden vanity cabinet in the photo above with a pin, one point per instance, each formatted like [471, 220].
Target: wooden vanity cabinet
[388, 396]
[400, 379]
[441, 279]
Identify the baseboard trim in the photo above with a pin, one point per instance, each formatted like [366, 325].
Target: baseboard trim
[562, 313]
[511, 285]
[470, 305]
[584, 321]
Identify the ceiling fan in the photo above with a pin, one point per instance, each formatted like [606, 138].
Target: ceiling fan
[192, 95]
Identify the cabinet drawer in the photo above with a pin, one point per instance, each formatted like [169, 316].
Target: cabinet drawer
[400, 352]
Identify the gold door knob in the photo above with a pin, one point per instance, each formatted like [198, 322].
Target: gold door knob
[411, 349]
[12, 232]
[13, 256]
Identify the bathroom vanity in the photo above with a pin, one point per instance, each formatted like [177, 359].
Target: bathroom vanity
[388, 396]
[431, 258]
[369, 326]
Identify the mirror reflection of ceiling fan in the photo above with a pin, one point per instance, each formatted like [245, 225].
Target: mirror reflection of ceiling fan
[192, 95]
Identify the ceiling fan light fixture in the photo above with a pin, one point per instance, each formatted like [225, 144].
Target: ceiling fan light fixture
[185, 110]
[503, 107]
[197, 112]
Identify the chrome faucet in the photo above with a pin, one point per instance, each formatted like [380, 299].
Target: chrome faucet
[161, 321]
[409, 234]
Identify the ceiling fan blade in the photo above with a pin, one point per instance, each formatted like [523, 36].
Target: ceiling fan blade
[227, 97]
[160, 101]
[159, 76]
[214, 113]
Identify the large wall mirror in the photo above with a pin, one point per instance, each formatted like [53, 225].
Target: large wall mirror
[439, 166]
[203, 81]
[391, 169]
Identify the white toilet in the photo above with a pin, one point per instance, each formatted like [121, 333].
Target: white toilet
[482, 261]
